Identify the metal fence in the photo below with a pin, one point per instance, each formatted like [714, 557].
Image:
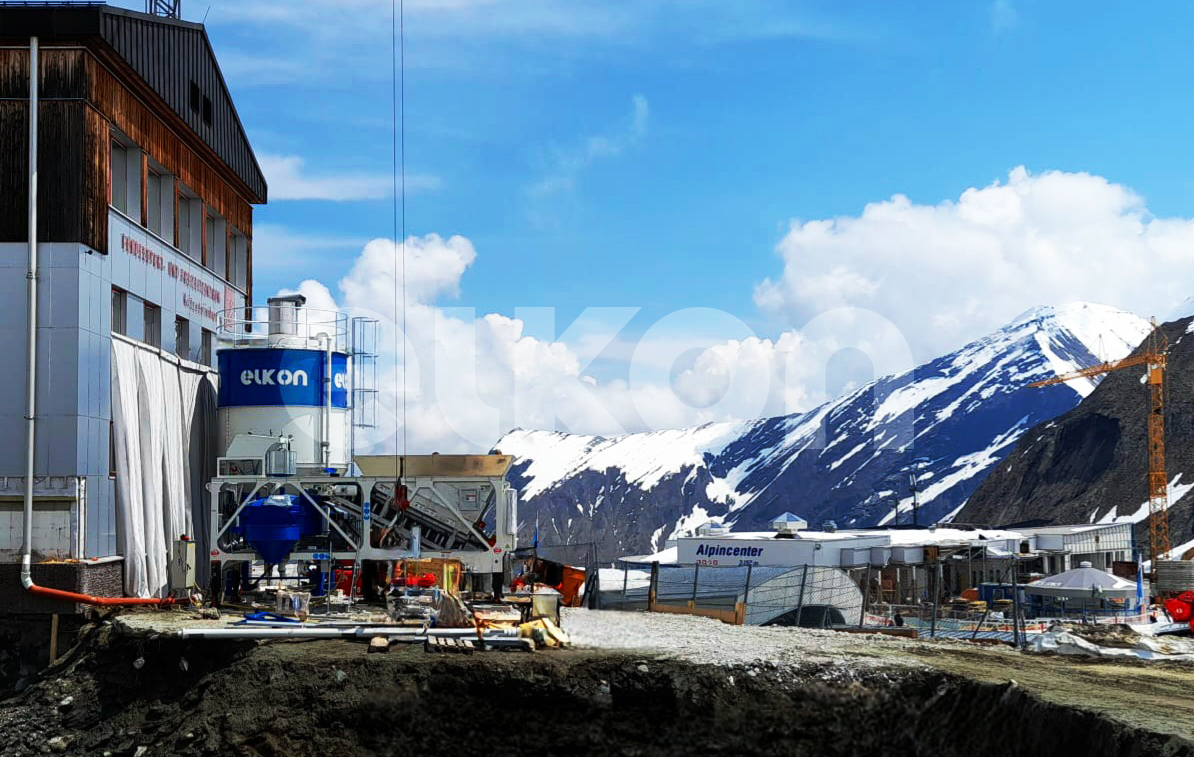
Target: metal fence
[806, 596]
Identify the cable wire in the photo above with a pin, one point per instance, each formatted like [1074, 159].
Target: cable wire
[398, 121]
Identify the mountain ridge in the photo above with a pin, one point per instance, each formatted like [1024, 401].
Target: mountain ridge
[839, 461]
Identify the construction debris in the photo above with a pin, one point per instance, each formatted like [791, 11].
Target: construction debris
[449, 645]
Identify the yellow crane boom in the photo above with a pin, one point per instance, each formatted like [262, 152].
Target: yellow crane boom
[1154, 357]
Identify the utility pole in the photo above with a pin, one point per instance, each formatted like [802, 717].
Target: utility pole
[914, 483]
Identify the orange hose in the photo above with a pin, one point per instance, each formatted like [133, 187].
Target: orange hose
[87, 599]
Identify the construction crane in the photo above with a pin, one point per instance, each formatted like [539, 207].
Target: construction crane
[1154, 357]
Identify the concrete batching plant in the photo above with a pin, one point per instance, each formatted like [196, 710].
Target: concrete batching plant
[288, 490]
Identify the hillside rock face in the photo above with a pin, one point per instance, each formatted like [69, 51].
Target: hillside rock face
[1090, 464]
[952, 419]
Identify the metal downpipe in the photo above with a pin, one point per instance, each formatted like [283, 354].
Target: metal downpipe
[31, 337]
[31, 277]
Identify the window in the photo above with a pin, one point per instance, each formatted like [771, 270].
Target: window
[159, 191]
[119, 309]
[196, 97]
[153, 325]
[205, 349]
[215, 256]
[153, 191]
[207, 111]
[238, 259]
[134, 318]
[124, 178]
[190, 223]
[182, 337]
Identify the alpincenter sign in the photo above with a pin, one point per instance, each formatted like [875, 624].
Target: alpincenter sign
[709, 550]
[738, 551]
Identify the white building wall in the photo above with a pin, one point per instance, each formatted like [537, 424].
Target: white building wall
[75, 367]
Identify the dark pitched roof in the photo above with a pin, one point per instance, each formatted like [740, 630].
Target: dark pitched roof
[171, 56]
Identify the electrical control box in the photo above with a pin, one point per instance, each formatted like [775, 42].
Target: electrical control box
[182, 566]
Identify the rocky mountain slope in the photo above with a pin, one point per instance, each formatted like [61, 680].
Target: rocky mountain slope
[1089, 464]
[845, 461]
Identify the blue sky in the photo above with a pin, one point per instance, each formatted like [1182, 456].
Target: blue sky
[947, 165]
[759, 115]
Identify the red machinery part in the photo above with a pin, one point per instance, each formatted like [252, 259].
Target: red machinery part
[344, 577]
[1179, 609]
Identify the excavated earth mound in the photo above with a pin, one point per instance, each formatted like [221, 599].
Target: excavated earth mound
[118, 695]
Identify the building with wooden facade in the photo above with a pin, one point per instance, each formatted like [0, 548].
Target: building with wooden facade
[146, 184]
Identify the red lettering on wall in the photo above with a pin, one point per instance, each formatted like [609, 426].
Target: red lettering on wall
[141, 252]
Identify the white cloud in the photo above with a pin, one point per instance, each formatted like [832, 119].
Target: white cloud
[943, 274]
[951, 272]
[432, 270]
[564, 166]
[470, 378]
[288, 179]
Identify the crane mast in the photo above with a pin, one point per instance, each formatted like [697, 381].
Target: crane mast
[1154, 358]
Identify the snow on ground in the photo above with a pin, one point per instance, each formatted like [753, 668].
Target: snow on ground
[704, 640]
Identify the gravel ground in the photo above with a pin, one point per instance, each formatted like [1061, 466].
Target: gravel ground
[704, 640]
[1154, 696]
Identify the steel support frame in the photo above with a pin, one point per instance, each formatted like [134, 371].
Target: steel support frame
[486, 559]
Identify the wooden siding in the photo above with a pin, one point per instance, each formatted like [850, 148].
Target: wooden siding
[152, 134]
[169, 56]
[60, 129]
[73, 165]
[97, 156]
[164, 56]
[60, 172]
[14, 167]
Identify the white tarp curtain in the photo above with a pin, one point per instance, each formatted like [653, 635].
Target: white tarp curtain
[155, 399]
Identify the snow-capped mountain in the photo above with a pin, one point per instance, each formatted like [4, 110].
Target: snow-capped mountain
[1089, 465]
[848, 460]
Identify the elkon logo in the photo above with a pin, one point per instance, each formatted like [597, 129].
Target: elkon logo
[273, 377]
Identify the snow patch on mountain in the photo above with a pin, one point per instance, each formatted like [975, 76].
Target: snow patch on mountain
[1177, 490]
[644, 459]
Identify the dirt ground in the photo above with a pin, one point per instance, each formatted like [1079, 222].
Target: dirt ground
[153, 694]
[1153, 696]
